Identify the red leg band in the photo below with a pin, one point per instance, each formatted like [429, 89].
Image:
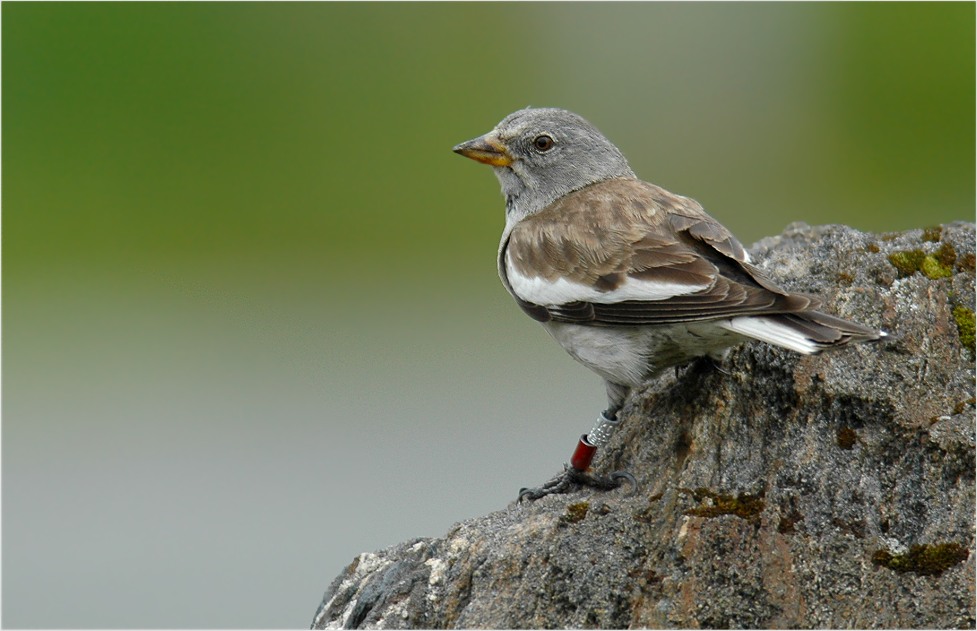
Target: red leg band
[583, 454]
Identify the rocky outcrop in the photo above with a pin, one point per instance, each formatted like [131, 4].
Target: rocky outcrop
[834, 490]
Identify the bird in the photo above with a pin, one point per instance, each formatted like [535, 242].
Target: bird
[629, 278]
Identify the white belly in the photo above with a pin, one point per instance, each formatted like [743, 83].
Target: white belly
[630, 355]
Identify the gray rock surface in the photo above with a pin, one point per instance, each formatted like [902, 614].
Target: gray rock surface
[834, 490]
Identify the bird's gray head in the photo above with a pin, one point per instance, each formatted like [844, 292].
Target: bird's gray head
[541, 154]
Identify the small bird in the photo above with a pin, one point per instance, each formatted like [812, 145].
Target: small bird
[627, 277]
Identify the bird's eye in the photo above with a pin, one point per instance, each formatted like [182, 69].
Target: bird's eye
[542, 143]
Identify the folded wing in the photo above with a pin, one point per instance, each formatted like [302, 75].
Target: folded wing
[627, 253]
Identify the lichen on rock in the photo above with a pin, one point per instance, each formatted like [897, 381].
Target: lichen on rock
[925, 560]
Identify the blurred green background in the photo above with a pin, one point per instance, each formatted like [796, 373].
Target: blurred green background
[251, 320]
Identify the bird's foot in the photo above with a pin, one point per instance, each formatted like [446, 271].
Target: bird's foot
[572, 479]
[717, 365]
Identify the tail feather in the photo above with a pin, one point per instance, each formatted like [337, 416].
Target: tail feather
[805, 332]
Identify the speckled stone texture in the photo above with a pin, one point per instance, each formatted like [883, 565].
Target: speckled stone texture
[834, 490]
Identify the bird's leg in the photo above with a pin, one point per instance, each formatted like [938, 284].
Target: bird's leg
[575, 474]
[704, 364]
[717, 364]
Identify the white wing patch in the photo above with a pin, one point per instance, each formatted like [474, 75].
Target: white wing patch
[561, 291]
[770, 331]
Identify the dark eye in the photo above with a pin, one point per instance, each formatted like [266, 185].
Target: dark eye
[542, 143]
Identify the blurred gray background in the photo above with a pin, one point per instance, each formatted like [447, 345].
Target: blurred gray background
[252, 324]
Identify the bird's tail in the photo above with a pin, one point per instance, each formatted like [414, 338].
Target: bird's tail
[805, 332]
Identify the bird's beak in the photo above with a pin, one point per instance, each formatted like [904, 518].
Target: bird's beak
[487, 149]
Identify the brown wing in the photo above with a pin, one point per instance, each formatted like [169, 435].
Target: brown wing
[622, 230]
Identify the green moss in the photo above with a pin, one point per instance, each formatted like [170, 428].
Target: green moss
[925, 560]
[933, 233]
[745, 505]
[939, 264]
[575, 512]
[967, 263]
[908, 262]
[846, 437]
[933, 269]
[966, 325]
[946, 255]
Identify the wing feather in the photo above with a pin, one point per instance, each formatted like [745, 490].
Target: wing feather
[624, 252]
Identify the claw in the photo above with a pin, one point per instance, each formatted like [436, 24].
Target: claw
[527, 495]
[572, 479]
[560, 484]
[718, 366]
[621, 476]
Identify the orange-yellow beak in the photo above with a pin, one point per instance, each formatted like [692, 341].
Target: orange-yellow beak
[487, 149]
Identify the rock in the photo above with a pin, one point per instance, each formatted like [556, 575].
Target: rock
[834, 490]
